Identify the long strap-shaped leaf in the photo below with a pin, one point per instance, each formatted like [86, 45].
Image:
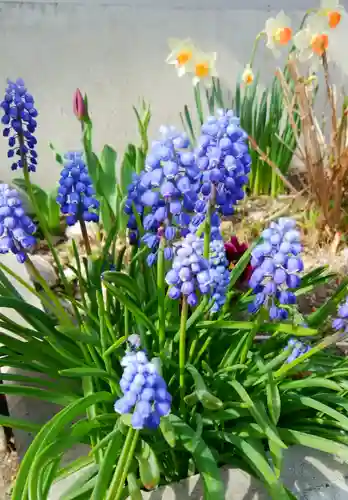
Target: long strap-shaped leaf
[203, 457]
[48, 433]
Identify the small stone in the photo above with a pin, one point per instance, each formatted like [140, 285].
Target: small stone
[45, 269]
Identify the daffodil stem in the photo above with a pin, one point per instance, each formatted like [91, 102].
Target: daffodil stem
[256, 44]
[182, 350]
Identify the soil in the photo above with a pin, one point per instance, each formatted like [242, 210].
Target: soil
[8, 472]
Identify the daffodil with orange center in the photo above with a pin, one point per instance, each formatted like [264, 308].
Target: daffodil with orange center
[312, 41]
[278, 31]
[332, 11]
[203, 67]
[181, 55]
[248, 75]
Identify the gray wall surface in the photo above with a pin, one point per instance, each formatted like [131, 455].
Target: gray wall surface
[115, 51]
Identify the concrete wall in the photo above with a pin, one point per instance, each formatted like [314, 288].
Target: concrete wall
[115, 51]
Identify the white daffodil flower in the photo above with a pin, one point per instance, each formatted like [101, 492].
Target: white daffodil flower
[204, 67]
[248, 75]
[181, 55]
[312, 41]
[332, 11]
[278, 31]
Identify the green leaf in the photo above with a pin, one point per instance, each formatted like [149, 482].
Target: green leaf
[125, 281]
[49, 433]
[16, 423]
[318, 443]
[127, 168]
[266, 327]
[258, 413]
[108, 179]
[133, 308]
[323, 408]
[203, 457]
[310, 383]
[259, 463]
[107, 466]
[86, 371]
[133, 487]
[148, 466]
[39, 393]
[273, 399]
[167, 430]
[208, 400]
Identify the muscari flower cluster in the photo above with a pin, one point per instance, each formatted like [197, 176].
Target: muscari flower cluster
[219, 274]
[277, 264]
[145, 392]
[76, 195]
[223, 159]
[165, 192]
[16, 228]
[20, 125]
[190, 272]
[297, 349]
[341, 322]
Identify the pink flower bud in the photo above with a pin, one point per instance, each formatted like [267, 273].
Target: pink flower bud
[79, 105]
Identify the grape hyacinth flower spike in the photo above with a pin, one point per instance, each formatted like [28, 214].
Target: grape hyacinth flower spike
[16, 228]
[219, 274]
[340, 323]
[277, 264]
[145, 392]
[223, 158]
[297, 349]
[20, 125]
[164, 194]
[190, 271]
[76, 195]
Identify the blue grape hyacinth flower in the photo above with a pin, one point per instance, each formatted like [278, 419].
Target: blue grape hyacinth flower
[341, 321]
[219, 274]
[277, 266]
[298, 348]
[145, 392]
[165, 192]
[20, 125]
[190, 272]
[133, 203]
[16, 228]
[76, 195]
[222, 156]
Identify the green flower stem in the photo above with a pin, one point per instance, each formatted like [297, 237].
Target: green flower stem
[161, 295]
[256, 43]
[59, 309]
[123, 465]
[85, 236]
[182, 349]
[207, 222]
[41, 219]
